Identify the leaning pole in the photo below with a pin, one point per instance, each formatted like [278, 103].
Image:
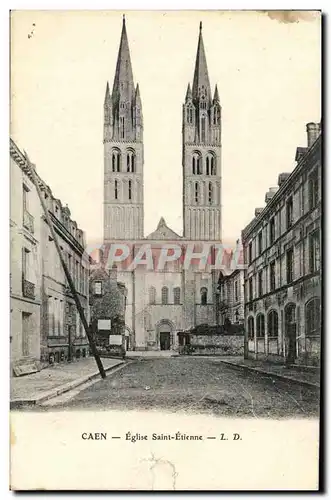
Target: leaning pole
[93, 348]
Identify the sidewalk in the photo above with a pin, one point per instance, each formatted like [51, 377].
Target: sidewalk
[150, 354]
[57, 379]
[304, 375]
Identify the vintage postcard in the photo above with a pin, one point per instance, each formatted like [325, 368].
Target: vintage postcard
[165, 230]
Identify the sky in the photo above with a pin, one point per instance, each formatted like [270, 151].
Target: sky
[267, 68]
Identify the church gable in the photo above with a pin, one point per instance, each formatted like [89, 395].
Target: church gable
[163, 232]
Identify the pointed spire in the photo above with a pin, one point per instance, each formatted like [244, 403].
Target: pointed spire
[201, 78]
[161, 223]
[188, 93]
[216, 96]
[107, 94]
[137, 98]
[123, 81]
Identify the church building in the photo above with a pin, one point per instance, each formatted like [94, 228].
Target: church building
[162, 302]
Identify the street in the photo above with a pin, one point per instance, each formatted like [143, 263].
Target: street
[193, 385]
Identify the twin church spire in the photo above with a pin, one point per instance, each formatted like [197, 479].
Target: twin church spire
[122, 108]
[201, 83]
[201, 112]
[124, 155]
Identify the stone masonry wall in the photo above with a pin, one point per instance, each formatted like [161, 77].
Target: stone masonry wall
[223, 345]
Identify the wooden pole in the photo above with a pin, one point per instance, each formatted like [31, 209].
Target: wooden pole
[66, 271]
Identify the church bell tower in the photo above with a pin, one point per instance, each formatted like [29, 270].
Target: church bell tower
[123, 152]
[201, 135]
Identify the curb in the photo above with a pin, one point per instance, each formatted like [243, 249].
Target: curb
[61, 389]
[272, 374]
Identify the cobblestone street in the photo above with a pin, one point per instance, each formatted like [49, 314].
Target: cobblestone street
[195, 385]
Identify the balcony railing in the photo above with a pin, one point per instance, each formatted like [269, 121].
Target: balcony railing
[28, 221]
[28, 289]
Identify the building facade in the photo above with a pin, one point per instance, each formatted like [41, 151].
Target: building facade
[45, 323]
[63, 335]
[25, 263]
[156, 309]
[282, 248]
[231, 297]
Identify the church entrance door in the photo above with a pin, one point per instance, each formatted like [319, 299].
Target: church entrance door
[165, 341]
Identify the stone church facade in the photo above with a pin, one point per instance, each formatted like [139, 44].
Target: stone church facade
[160, 303]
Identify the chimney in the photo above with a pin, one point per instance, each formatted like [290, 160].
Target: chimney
[258, 211]
[313, 131]
[270, 194]
[282, 178]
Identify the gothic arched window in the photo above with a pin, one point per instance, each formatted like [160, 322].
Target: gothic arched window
[210, 164]
[273, 324]
[116, 190]
[203, 295]
[116, 160]
[203, 129]
[313, 317]
[152, 295]
[177, 295]
[130, 161]
[189, 115]
[196, 163]
[216, 116]
[122, 128]
[165, 295]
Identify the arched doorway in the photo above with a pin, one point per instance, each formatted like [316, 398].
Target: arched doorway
[165, 334]
[291, 333]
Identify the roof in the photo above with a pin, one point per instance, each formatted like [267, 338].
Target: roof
[163, 232]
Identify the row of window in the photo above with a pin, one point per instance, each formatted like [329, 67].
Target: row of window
[116, 161]
[176, 295]
[313, 191]
[314, 266]
[197, 166]
[28, 221]
[198, 191]
[216, 115]
[127, 195]
[56, 318]
[230, 289]
[78, 273]
[312, 320]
